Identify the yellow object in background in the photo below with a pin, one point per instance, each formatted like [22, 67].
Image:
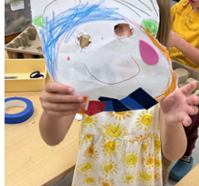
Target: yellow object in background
[185, 22]
[21, 69]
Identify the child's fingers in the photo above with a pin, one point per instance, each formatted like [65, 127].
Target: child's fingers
[186, 121]
[189, 88]
[192, 110]
[58, 88]
[62, 107]
[61, 98]
[61, 113]
[193, 100]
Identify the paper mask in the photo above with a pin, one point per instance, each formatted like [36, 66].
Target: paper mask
[115, 73]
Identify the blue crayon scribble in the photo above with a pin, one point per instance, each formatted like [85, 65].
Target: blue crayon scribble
[65, 24]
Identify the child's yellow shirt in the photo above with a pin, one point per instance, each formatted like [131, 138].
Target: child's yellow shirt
[118, 149]
[185, 22]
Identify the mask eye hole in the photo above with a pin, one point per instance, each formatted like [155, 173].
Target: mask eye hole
[123, 30]
[84, 41]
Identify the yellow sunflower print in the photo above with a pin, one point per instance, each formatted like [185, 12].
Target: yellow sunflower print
[128, 178]
[90, 121]
[105, 182]
[80, 143]
[89, 180]
[91, 152]
[145, 177]
[108, 167]
[157, 163]
[141, 137]
[148, 162]
[157, 176]
[110, 147]
[113, 130]
[121, 115]
[129, 159]
[88, 137]
[144, 120]
[118, 151]
[83, 169]
[157, 142]
[145, 146]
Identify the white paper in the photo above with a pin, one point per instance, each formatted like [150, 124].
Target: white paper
[110, 66]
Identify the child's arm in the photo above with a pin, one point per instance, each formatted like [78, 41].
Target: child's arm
[174, 114]
[60, 106]
[181, 44]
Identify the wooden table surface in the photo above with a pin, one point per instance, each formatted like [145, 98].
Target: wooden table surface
[28, 160]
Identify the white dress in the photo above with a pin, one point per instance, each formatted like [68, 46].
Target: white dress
[120, 149]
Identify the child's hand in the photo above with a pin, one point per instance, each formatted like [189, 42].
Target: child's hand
[179, 105]
[58, 100]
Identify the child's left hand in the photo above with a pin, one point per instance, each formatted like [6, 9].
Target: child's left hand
[179, 105]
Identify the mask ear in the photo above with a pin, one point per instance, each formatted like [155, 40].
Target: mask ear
[39, 21]
[151, 26]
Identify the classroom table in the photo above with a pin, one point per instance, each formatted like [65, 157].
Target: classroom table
[28, 160]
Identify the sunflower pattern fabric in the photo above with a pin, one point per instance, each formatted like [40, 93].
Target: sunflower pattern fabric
[120, 149]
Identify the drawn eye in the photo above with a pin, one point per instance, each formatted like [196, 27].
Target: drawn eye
[83, 40]
[122, 30]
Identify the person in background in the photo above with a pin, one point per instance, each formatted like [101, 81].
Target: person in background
[184, 47]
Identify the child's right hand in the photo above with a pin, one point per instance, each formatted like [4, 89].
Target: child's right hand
[58, 100]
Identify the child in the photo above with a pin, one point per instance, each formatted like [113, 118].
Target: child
[184, 40]
[120, 148]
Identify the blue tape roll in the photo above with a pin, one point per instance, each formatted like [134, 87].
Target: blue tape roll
[21, 116]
